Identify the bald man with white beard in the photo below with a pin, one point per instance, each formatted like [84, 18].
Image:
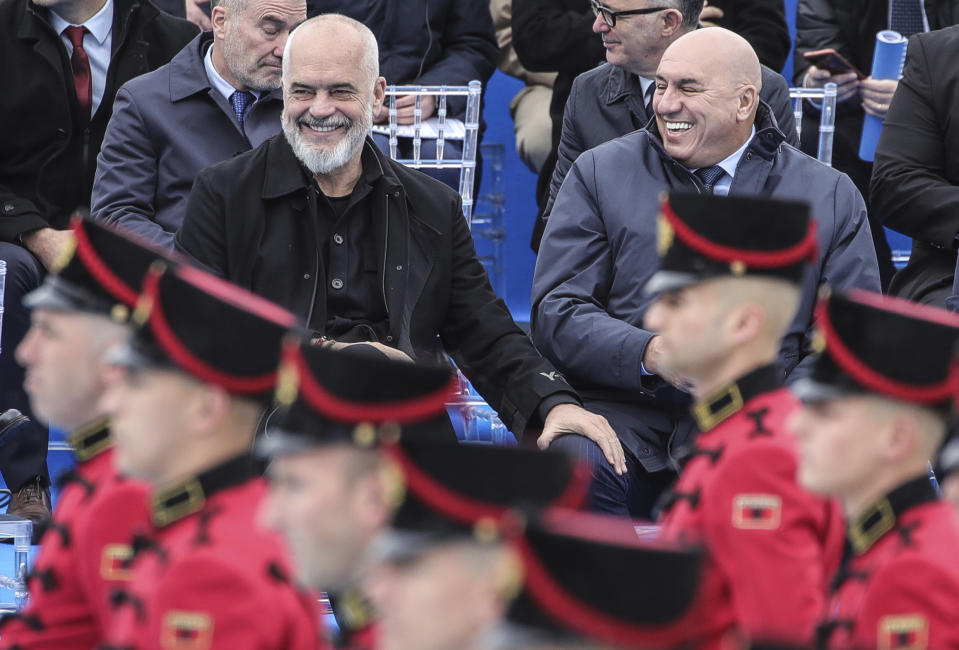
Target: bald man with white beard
[711, 134]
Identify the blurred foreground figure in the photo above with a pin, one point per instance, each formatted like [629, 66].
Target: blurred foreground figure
[727, 290]
[446, 573]
[329, 497]
[874, 414]
[188, 392]
[78, 314]
[590, 583]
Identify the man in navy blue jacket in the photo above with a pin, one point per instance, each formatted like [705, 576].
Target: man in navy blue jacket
[711, 134]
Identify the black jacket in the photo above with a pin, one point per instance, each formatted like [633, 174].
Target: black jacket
[426, 42]
[432, 282]
[915, 181]
[48, 151]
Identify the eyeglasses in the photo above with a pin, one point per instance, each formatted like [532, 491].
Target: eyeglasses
[610, 16]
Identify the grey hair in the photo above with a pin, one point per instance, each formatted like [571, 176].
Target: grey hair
[690, 9]
[369, 64]
[235, 7]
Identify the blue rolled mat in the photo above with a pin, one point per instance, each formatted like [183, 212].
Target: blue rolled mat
[887, 63]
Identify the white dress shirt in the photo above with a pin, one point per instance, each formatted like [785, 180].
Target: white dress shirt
[96, 44]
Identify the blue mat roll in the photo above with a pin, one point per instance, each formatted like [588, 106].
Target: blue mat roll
[887, 63]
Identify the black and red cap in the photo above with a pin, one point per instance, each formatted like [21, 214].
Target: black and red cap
[701, 236]
[355, 395]
[473, 491]
[100, 270]
[869, 343]
[590, 576]
[209, 329]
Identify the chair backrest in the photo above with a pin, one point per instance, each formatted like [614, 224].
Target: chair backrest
[467, 162]
[827, 118]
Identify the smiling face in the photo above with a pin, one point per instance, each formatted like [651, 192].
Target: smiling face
[250, 38]
[330, 92]
[706, 96]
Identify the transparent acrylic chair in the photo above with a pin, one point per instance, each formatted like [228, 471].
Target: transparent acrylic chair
[441, 129]
[826, 97]
[15, 531]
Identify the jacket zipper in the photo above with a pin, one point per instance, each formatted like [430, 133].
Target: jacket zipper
[386, 246]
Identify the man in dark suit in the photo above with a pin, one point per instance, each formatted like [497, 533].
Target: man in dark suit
[616, 99]
[850, 27]
[219, 96]
[363, 249]
[62, 64]
[915, 180]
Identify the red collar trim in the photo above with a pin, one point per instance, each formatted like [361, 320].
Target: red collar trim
[807, 249]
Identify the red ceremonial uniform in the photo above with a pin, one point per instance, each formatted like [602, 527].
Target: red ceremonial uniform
[899, 585]
[211, 577]
[84, 555]
[771, 546]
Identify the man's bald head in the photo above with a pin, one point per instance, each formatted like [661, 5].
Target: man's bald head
[336, 33]
[708, 85]
[726, 54]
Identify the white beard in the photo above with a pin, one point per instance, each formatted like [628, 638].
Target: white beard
[320, 161]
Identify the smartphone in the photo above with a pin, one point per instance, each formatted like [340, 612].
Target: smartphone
[831, 60]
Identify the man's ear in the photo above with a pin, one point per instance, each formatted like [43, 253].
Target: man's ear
[672, 21]
[902, 438]
[748, 100]
[379, 94]
[745, 323]
[218, 18]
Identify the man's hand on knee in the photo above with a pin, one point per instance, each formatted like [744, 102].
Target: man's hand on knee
[46, 244]
[572, 419]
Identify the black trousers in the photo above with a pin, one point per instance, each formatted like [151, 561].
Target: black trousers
[25, 455]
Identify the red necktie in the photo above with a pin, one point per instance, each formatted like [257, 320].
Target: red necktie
[81, 68]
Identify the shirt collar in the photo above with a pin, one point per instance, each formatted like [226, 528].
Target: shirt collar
[645, 83]
[99, 25]
[222, 86]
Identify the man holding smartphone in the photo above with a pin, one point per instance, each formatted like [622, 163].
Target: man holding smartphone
[849, 28]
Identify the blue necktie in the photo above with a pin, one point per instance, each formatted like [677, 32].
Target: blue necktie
[240, 100]
[905, 17]
[710, 176]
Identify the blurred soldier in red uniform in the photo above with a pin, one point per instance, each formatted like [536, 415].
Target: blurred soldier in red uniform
[190, 387]
[591, 583]
[874, 414]
[328, 497]
[446, 572]
[78, 313]
[728, 288]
